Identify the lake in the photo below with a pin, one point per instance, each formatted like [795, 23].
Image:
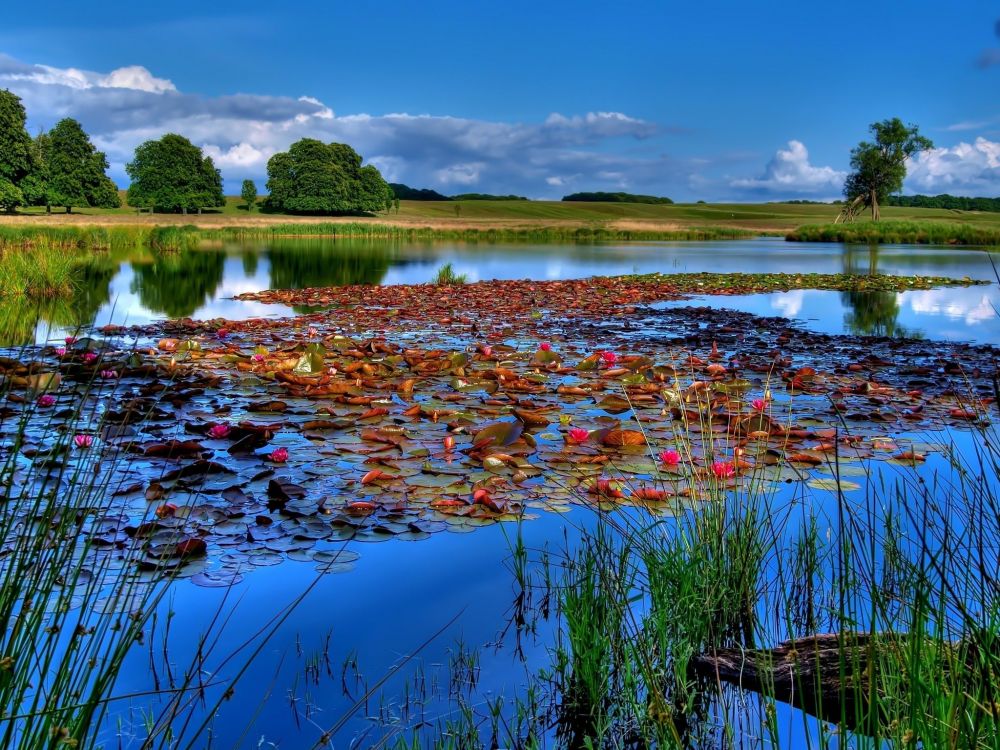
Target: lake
[138, 287]
[454, 594]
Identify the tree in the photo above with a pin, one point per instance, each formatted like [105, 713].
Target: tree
[249, 194]
[74, 172]
[15, 143]
[10, 196]
[172, 174]
[316, 177]
[879, 168]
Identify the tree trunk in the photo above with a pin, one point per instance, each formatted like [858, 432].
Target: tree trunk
[48, 208]
[875, 212]
[199, 210]
[69, 209]
[184, 210]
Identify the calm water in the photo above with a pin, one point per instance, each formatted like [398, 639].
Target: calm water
[135, 288]
[403, 592]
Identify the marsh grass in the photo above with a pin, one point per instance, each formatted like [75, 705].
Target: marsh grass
[446, 276]
[901, 580]
[39, 274]
[898, 232]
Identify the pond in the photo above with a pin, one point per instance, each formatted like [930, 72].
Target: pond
[453, 598]
[137, 287]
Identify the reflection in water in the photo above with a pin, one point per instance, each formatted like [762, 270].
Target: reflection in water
[871, 313]
[20, 318]
[177, 284]
[295, 265]
[298, 265]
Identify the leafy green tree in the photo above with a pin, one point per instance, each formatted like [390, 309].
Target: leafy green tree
[15, 143]
[172, 174]
[879, 167]
[72, 170]
[34, 186]
[315, 177]
[10, 196]
[249, 194]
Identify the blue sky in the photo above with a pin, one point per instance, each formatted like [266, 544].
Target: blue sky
[721, 100]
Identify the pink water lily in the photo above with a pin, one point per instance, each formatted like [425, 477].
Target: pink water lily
[70, 340]
[61, 351]
[609, 358]
[545, 346]
[218, 431]
[487, 351]
[89, 357]
[313, 333]
[758, 404]
[578, 435]
[670, 458]
[222, 333]
[258, 358]
[279, 455]
[46, 400]
[109, 374]
[83, 441]
[723, 469]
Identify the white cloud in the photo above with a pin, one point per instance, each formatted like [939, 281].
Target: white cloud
[963, 169]
[136, 77]
[789, 173]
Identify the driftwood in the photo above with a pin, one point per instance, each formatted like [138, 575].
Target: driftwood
[833, 675]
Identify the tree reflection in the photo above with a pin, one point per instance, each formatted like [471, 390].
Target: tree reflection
[298, 265]
[871, 313]
[177, 284]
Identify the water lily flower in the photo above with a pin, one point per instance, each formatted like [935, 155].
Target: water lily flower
[609, 358]
[578, 434]
[449, 443]
[46, 400]
[313, 333]
[279, 455]
[545, 346]
[83, 441]
[222, 333]
[723, 469]
[670, 457]
[70, 340]
[258, 358]
[487, 351]
[109, 374]
[218, 431]
[758, 404]
[61, 351]
[89, 357]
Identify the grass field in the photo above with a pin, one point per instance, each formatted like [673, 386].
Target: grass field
[762, 218]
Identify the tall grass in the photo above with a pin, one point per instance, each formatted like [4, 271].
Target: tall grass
[593, 233]
[39, 274]
[909, 232]
[86, 237]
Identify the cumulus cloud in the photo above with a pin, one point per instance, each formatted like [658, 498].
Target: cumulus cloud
[963, 169]
[789, 173]
[240, 132]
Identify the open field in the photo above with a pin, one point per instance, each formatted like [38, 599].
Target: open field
[762, 218]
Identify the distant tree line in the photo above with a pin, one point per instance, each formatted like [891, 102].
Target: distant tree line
[486, 197]
[951, 202]
[407, 193]
[599, 197]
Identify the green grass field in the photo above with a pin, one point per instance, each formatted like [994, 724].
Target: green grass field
[768, 218]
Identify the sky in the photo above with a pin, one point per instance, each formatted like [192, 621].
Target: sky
[719, 101]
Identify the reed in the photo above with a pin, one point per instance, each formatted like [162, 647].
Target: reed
[898, 232]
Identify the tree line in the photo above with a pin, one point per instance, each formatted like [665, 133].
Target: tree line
[407, 193]
[599, 197]
[62, 168]
[950, 202]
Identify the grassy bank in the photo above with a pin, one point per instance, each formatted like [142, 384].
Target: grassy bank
[474, 234]
[898, 232]
[760, 218]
